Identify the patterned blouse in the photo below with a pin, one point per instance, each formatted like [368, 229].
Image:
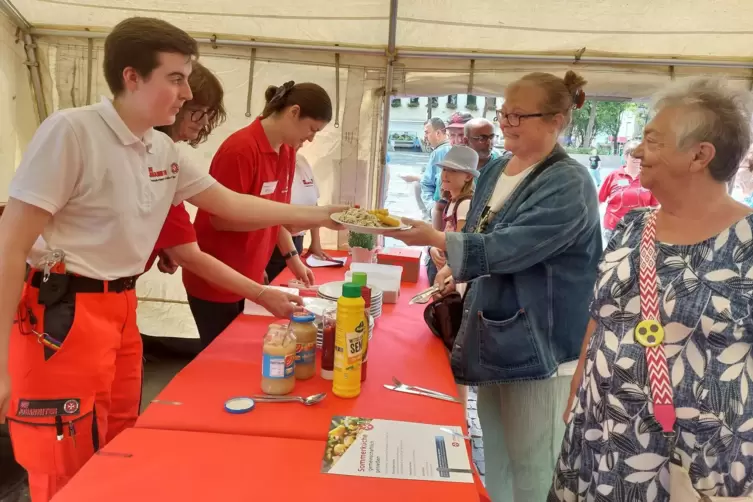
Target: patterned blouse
[613, 448]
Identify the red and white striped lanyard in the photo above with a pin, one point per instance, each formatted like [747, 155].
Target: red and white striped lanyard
[650, 333]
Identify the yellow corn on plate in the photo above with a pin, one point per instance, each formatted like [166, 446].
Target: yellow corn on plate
[388, 220]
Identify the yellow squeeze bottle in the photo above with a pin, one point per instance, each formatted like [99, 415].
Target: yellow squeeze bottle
[350, 327]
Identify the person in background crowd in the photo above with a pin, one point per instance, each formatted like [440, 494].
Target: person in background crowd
[436, 135]
[176, 244]
[480, 136]
[530, 246]
[622, 191]
[74, 238]
[456, 127]
[305, 193]
[459, 172]
[594, 162]
[743, 182]
[260, 160]
[699, 238]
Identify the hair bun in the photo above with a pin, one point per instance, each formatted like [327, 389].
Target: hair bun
[573, 82]
[270, 93]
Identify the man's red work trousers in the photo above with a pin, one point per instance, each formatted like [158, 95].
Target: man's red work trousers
[66, 404]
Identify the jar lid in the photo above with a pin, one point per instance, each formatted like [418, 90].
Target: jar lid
[359, 278]
[351, 290]
[238, 405]
[303, 317]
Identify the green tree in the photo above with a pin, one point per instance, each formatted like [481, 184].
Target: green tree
[580, 124]
[609, 118]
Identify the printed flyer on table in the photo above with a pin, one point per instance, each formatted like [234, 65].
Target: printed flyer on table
[400, 450]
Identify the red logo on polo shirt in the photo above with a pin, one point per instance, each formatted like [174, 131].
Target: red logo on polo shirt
[163, 174]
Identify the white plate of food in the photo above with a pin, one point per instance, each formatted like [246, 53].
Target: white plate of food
[369, 222]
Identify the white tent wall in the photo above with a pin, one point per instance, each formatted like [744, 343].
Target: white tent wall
[19, 118]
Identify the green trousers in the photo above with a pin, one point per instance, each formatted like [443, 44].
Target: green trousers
[522, 427]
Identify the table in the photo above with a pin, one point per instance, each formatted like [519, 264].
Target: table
[169, 466]
[231, 366]
[402, 346]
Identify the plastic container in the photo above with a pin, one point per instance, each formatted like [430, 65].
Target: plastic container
[303, 327]
[329, 327]
[278, 361]
[407, 258]
[351, 324]
[384, 277]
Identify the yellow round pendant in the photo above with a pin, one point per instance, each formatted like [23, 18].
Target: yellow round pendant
[649, 333]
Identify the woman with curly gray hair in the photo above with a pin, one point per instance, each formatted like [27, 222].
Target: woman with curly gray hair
[661, 406]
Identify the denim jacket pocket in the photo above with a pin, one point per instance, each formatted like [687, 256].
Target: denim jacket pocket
[507, 344]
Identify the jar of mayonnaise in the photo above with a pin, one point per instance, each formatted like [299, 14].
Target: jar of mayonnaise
[278, 361]
[303, 327]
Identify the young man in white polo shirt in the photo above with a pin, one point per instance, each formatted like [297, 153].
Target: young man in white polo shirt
[86, 206]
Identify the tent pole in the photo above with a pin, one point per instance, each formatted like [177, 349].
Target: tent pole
[534, 58]
[414, 54]
[387, 106]
[30, 48]
[214, 41]
[36, 78]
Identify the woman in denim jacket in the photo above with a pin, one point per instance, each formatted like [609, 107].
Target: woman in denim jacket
[529, 249]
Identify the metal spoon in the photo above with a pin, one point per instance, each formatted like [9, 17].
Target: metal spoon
[307, 401]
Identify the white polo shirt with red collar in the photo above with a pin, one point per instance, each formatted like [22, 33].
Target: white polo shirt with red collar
[108, 191]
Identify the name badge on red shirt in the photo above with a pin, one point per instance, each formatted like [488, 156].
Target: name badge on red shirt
[268, 188]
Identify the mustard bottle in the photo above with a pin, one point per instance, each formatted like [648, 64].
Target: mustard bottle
[351, 325]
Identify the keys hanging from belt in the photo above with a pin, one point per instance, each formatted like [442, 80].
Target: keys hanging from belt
[55, 281]
[53, 262]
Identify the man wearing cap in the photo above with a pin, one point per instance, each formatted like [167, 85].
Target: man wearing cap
[480, 136]
[456, 127]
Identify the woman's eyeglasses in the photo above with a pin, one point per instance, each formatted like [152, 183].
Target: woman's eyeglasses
[513, 119]
[197, 115]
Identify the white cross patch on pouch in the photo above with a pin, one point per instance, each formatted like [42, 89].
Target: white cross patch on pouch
[268, 188]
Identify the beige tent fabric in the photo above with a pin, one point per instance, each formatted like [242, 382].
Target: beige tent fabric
[640, 27]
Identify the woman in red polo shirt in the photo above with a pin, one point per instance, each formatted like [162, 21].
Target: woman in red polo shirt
[176, 244]
[622, 191]
[257, 160]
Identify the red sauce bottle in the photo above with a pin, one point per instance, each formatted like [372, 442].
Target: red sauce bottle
[329, 329]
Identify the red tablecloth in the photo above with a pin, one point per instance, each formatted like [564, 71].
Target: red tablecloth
[402, 346]
[169, 466]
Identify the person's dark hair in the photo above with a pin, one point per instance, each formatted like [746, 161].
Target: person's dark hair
[437, 124]
[312, 99]
[137, 43]
[207, 92]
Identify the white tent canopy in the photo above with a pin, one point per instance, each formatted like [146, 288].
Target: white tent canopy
[625, 49]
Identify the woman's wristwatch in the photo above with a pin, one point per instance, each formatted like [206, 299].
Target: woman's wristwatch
[289, 255]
